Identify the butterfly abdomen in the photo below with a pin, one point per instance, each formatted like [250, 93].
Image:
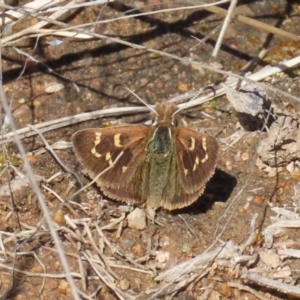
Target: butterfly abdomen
[161, 168]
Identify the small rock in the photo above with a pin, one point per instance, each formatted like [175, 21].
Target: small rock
[53, 87]
[259, 163]
[291, 167]
[63, 285]
[137, 250]
[244, 156]
[258, 199]
[59, 217]
[182, 87]
[22, 116]
[270, 258]
[228, 164]
[162, 256]
[124, 284]
[137, 219]
[225, 290]
[272, 172]
[283, 273]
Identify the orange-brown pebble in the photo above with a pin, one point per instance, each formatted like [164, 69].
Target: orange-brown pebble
[59, 216]
[137, 250]
[182, 87]
[209, 110]
[31, 158]
[62, 287]
[225, 290]
[258, 199]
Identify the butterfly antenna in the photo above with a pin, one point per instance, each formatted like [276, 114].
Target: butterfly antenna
[139, 98]
[195, 96]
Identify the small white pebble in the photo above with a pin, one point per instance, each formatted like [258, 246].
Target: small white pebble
[244, 156]
[228, 165]
[54, 87]
[124, 284]
[137, 219]
[162, 256]
[283, 272]
[291, 167]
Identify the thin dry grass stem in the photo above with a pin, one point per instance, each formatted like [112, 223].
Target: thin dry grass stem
[106, 241]
[50, 70]
[295, 253]
[190, 230]
[173, 290]
[249, 66]
[207, 37]
[22, 234]
[131, 269]
[93, 295]
[39, 262]
[273, 284]
[42, 275]
[114, 222]
[235, 137]
[67, 121]
[3, 250]
[53, 193]
[242, 287]
[80, 5]
[250, 238]
[53, 177]
[226, 22]
[99, 252]
[71, 236]
[254, 23]
[59, 145]
[129, 258]
[18, 13]
[104, 276]
[120, 229]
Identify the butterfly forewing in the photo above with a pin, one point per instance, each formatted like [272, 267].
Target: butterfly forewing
[197, 158]
[113, 152]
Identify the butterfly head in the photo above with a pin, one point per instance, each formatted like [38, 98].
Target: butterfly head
[165, 114]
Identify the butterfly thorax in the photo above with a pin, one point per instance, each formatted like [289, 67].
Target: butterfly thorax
[160, 144]
[161, 140]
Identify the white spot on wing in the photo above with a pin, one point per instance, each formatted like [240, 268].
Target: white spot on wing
[97, 142]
